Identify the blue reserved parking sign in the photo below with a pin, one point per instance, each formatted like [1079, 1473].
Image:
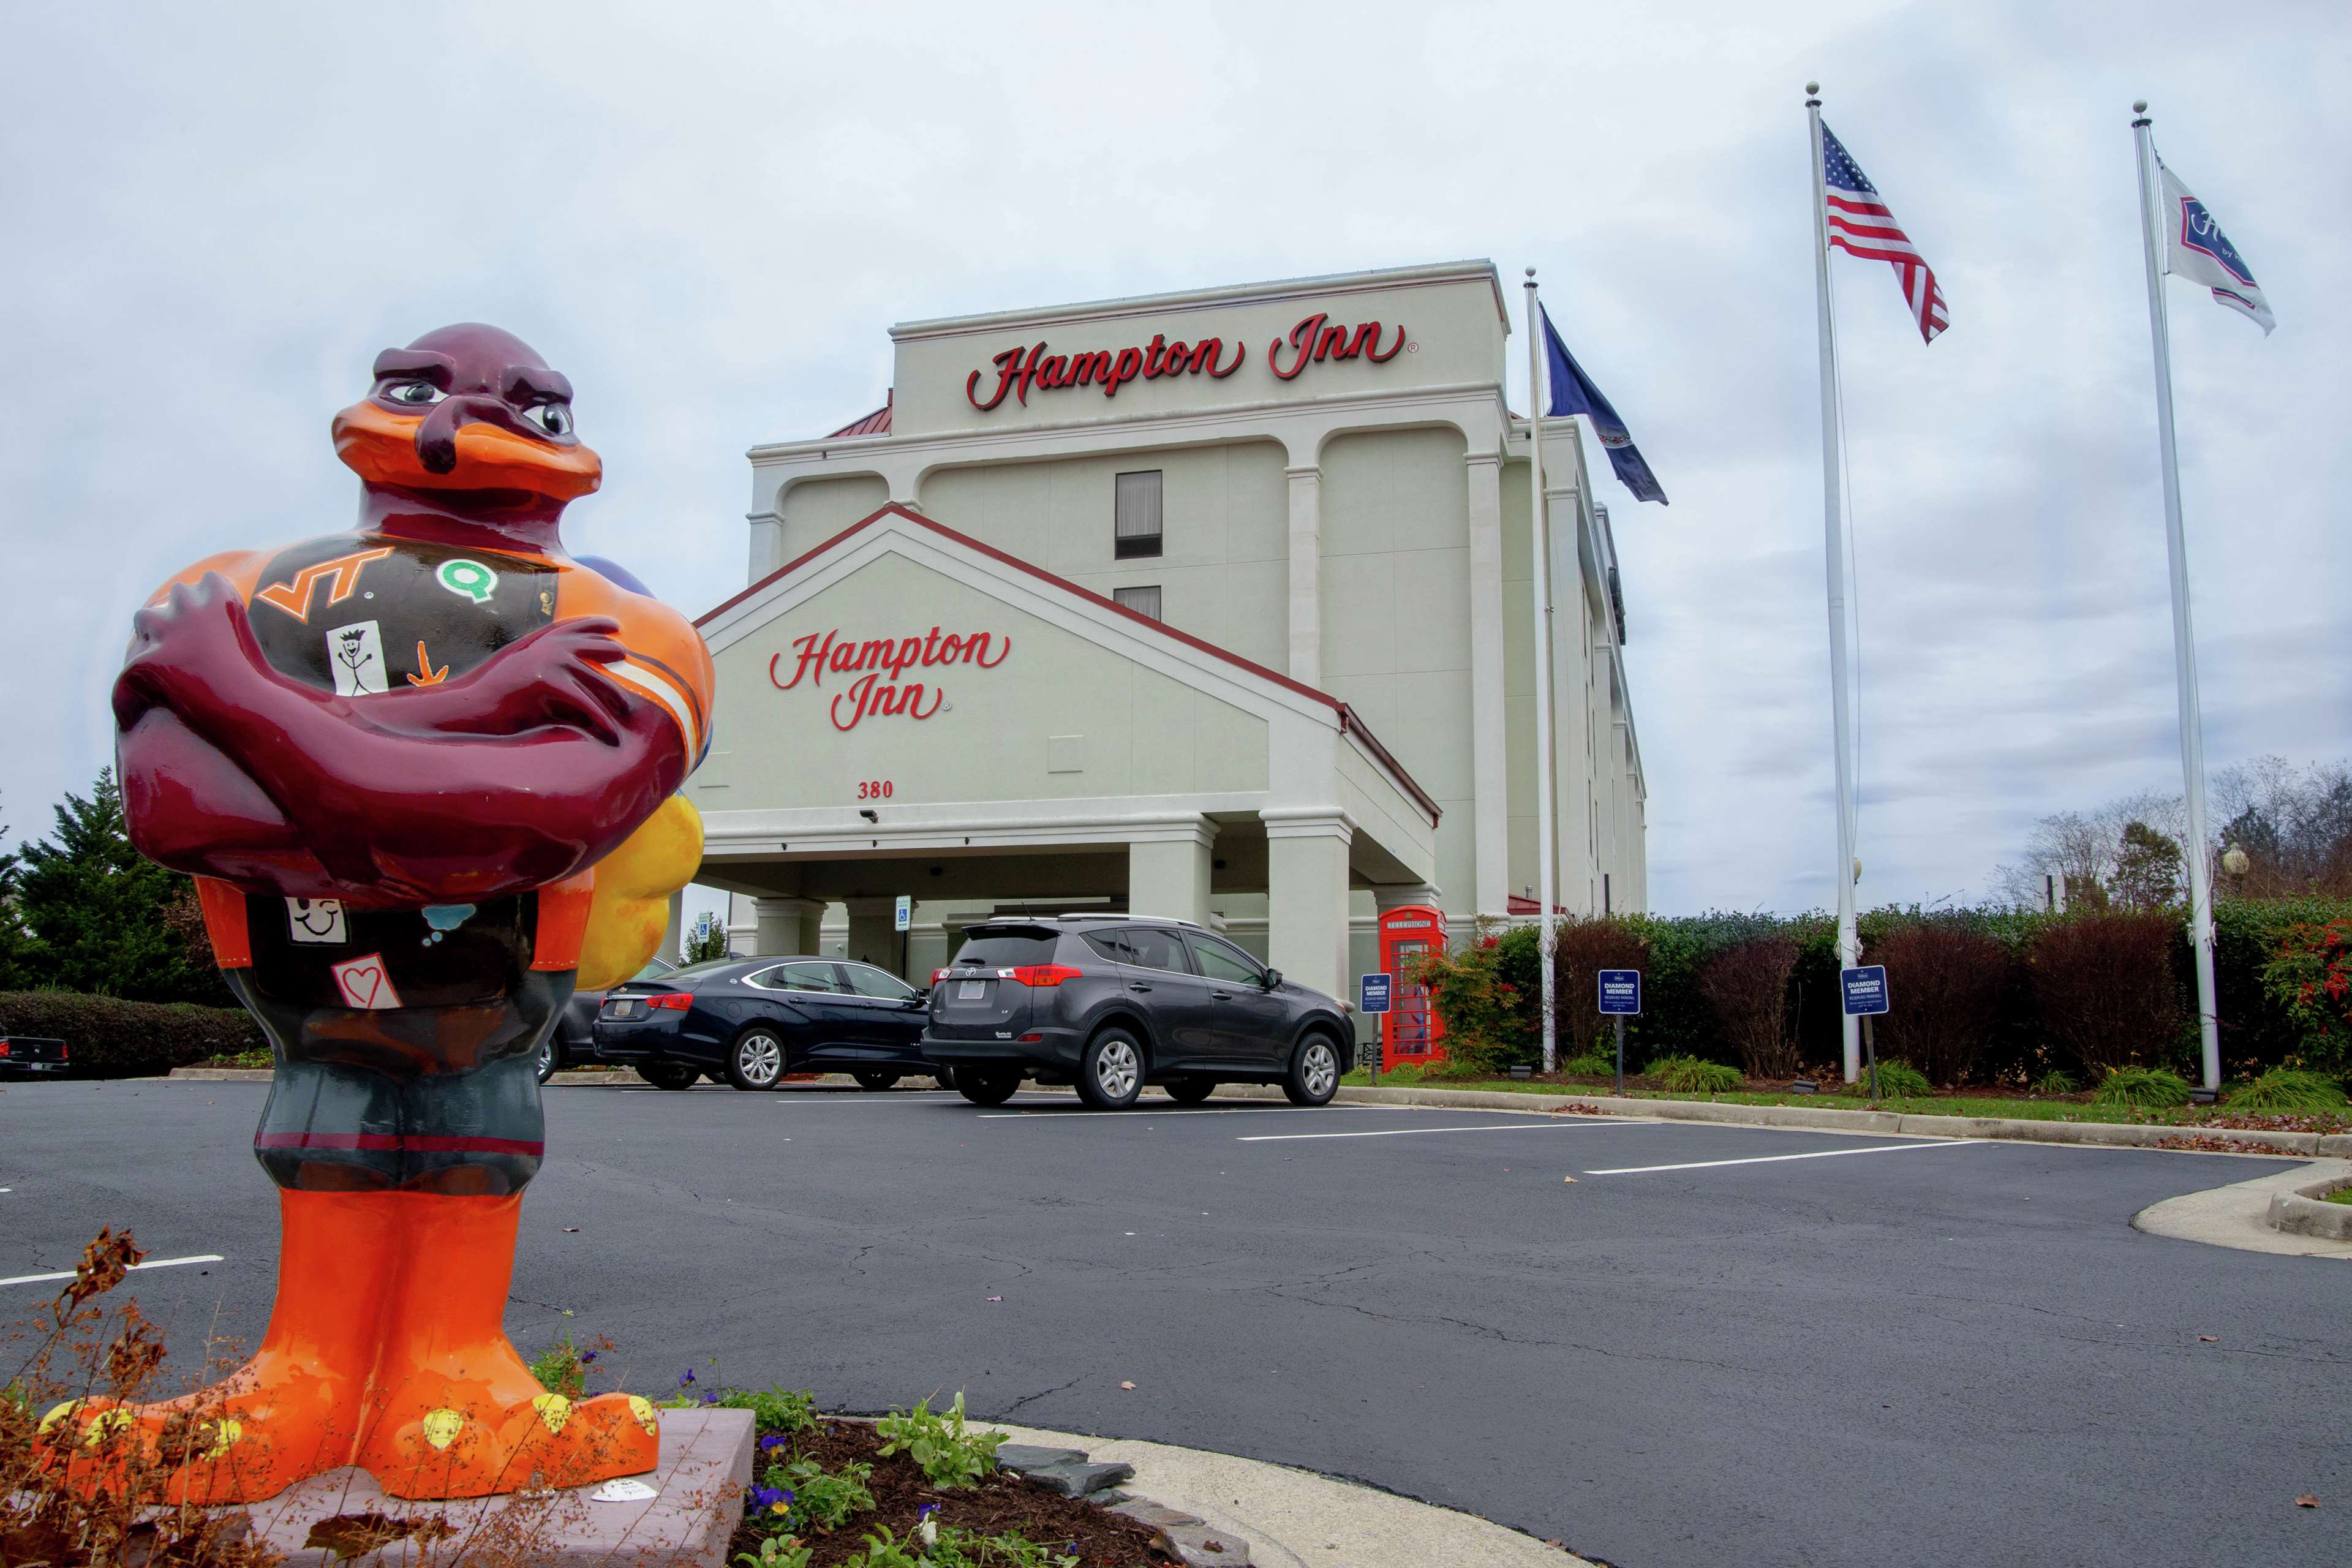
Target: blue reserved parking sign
[1621, 991]
[1864, 987]
[1377, 989]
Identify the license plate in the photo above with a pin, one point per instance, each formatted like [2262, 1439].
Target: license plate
[624, 1009]
[971, 990]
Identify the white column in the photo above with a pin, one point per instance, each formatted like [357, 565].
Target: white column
[1307, 895]
[674, 938]
[873, 933]
[1402, 895]
[1571, 676]
[785, 925]
[1490, 799]
[1167, 868]
[1306, 573]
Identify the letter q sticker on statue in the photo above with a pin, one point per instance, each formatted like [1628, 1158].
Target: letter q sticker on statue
[468, 579]
[365, 983]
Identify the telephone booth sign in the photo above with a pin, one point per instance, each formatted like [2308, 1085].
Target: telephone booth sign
[1410, 1030]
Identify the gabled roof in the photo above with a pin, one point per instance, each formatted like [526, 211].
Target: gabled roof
[875, 424]
[1349, 723]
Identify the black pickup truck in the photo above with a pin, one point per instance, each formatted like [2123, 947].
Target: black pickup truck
[24, 1054]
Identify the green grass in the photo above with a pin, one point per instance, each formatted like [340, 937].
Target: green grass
[2340, 1196]
[1993, 1105]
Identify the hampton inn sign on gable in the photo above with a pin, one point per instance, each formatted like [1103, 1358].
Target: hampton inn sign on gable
[876, 658]
[1313, 340]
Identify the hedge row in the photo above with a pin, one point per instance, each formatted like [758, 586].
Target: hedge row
[107, 1038]
[2018, 1025]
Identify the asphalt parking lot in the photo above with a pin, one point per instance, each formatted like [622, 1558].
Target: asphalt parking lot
[1715, 1345]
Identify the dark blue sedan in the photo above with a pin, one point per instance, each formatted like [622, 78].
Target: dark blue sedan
[749, 1021]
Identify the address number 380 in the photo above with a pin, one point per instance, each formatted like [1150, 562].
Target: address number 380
[875, 789]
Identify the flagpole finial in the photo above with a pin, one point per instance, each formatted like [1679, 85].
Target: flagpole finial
[2139, 106]
[1813, 95]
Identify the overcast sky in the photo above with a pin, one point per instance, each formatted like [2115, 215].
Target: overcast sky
[708, 215]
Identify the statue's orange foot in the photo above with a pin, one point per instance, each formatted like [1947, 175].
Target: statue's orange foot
[239, 1441]
[542, 1442]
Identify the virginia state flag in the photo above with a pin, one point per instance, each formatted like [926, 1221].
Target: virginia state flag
[2195, 246]
[1572, 392]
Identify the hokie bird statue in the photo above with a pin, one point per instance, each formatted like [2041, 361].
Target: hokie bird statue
[425, 774]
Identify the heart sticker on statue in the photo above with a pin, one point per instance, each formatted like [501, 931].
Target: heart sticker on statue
[364, 984]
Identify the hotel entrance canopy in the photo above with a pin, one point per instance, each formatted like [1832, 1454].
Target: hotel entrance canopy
[905, 710]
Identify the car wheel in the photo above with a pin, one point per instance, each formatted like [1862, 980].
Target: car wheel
[944, 1077]
[668, 1075]
[875, 1081]
[1191, 1090]
[757, 1062]
[550, 1058]
[1314, 1076]
[984, 1088]
[1111, 1072]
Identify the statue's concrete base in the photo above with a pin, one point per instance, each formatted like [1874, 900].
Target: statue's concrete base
[698, 1489]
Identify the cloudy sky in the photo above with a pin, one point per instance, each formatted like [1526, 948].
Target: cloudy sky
[707, 215]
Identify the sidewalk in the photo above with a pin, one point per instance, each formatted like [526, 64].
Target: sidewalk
[1297, 1519]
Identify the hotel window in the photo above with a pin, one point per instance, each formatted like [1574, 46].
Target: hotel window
[1142, 601]
[1134, 525]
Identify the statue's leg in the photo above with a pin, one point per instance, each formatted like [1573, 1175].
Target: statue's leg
[401, 1140]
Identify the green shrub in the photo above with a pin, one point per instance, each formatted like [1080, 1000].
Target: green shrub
[2143, 1088]
[775, 1411]
[1688, 1075]
[1594, 1065]
[819, 1498]
[1901, 1080]
[950, 1454]
[2057, 1080]
[105, 1036]
[2288, 1089]
[2309, 978]
[562, 1368]
[968, 1549]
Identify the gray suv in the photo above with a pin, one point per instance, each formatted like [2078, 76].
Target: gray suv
[1111, 1003]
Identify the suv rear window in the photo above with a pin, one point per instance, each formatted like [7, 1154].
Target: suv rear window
[1006, 949]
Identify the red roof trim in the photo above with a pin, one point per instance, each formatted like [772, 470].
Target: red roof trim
[875, 424]
[1349, 724]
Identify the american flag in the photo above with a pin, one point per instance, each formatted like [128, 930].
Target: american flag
[1861, 224]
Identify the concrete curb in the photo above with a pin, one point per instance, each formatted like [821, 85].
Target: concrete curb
[2240, 1215]
[1298, 1519]
[2303, 1211]
[1827, 1119]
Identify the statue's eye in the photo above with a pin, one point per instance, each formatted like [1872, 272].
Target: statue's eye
[416, 394]
[553, 418]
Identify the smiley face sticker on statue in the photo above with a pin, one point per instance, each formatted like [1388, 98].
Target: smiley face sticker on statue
[425, 774]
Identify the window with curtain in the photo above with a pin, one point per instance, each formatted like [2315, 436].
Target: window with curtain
[1135, 526]
[1142, 601]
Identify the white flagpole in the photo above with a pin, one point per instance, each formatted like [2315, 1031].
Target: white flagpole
[1539, 532]
[1833, 530]
[2184, 641]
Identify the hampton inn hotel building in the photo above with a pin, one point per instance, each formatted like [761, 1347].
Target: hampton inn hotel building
[1215, 604]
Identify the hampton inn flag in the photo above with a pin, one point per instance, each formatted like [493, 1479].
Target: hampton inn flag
[2195, 248]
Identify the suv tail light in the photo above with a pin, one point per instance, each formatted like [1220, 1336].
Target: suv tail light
[672, 1001]
[1040, 974]
[938, 975]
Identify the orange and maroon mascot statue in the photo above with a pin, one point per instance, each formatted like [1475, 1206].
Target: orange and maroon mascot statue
[425, 774]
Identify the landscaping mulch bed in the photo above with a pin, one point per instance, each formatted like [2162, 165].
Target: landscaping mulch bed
[1002, 1503]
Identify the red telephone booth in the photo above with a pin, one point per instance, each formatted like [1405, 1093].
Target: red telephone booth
[1410, 1030]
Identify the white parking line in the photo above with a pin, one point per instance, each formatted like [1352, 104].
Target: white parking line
[1179, 1110]
[152, 1263]
[1775, 1158]
[1410, 1132]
